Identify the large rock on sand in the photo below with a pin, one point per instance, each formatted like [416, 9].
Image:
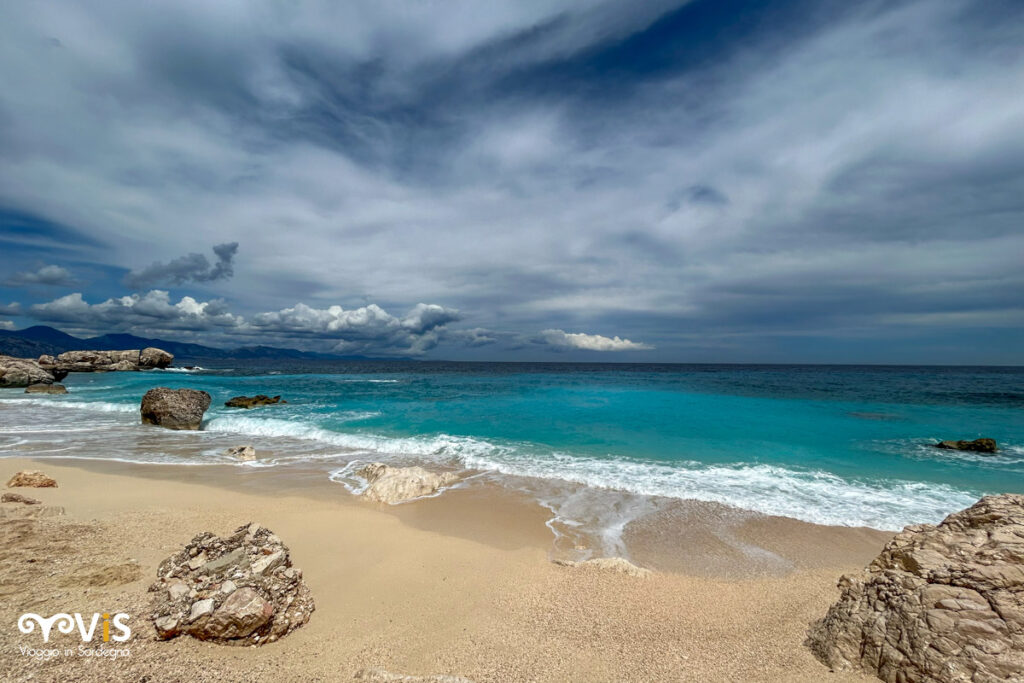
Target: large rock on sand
[976, 446]
[386, 484]
[22, 372]
[33, 479]
[239, 590]
[174, 408]
[941, 603]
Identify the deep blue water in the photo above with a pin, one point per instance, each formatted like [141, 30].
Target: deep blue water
[840, 444]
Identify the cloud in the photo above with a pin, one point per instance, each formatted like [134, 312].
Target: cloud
[190, 268]
[13, 308]
[696, 173]
[6, 325]
[590, 342]
[151, 311]
[368, 328]
[53, 276]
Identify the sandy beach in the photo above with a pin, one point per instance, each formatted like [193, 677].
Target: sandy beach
[461, 584]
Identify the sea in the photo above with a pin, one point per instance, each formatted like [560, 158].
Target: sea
[600, 445]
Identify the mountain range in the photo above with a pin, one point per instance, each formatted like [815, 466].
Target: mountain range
[33, 342]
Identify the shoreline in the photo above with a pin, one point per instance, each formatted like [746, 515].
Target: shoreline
[692, 537]
[460, 584]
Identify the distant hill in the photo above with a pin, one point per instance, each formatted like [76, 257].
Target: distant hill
[36, 341]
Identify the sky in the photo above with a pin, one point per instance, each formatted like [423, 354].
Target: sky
[703, 181]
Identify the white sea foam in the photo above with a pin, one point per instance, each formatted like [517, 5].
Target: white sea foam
[98, 406]
[431, 447]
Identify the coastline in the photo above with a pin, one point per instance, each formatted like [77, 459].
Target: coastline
[460, 584]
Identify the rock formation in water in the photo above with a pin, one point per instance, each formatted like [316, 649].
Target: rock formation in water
[243, 453]
[174, 408]
[940, 603]
[107, 361]
[253, 401]
[976, 446]
[32, 478]
[386, 484]
[22, 372]
[239, 590]
[46, 389]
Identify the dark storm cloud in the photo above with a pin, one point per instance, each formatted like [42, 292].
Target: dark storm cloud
[190, 268]
[681, 173]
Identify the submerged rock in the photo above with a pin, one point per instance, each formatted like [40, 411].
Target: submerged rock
[609, 564]
[239, 590]
[22, 372]
[46, 389]
[243, 453]
[253, 401]
[174, 408]
[386, 484]
[976, 446]
[940, 603]
[32, 478]
[18, 498]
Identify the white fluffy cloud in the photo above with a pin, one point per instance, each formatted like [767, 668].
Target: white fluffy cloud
[152, 310]
[368, 328]
[6, 325]
[590, 342]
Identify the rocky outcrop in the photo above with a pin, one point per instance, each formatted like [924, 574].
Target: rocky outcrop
[253, 401]
[33, 479]
[152, 357]
[174, 408]
[22, 372]
[243, 453]
[941, 603]
[976, 446]
[18, 498]
[386, 484]
[239, 590]
[618, 565]
[107, 361]
[46, 389]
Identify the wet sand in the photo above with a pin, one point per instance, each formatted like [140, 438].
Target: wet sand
[460, 584]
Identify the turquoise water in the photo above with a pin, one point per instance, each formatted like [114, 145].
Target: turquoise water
[837, 445]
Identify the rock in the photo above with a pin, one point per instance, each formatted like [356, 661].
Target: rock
[30, 511]
[105, 361]
[46, 389]
[18, 498]
[152, 357]
[253, 401]
[976, 446]
[940, 603]
[245, 590]
[22, 372]
[243, 453]
[174, 408]
[31, 478]
[382, 676]
[609, 564]
[386, 484]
